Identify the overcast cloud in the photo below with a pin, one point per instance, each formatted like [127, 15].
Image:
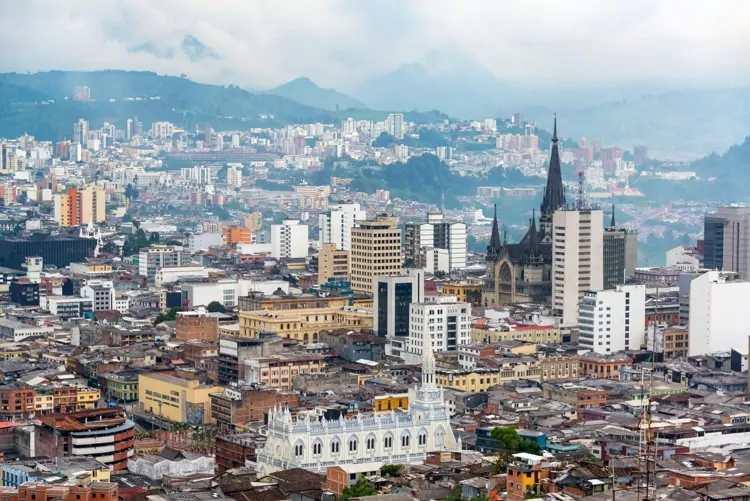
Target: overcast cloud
[340, 43]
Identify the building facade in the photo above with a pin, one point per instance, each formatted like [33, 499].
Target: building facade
[726, 240]
[154, 257]
[613, 320]
[620, 254]
[577, 249]
[289, 240]
[314, 443]
[392, 297]
[175, 398]
[442, 323]
[436, 233]
[376, 250]
[336, 225]
[332, 263]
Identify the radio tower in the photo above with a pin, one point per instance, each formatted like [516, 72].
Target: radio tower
[581, 195]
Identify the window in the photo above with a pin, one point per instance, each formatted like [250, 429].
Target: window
[370, 443]
[352, 445]
[335, 446]
[388, 442]
[405, 440]
[422, 438]
[299, 449]
[317, 448]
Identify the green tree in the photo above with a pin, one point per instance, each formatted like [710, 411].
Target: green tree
[359, 489]
[512, 442]
[391, 470]
[166, 317]
[440, 274]
[215, 306]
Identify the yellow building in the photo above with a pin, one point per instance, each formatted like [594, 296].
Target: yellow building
[13, 351]
[481, 379]
[304, 324]
[465, 292]
[383, 403]
[176, 399]
[375, 250]
[537, 334]
[86, 398]
[332, 263]
[44, 402]
[278, 371]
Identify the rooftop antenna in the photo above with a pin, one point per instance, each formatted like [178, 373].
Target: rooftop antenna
[581, 195]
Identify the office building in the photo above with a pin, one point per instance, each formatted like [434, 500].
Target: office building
[231, 235]
[726, 240]
[24, 293]
[152, 258]
[613, 320]
[177, 399]
[81, 132]
[376, 250]
[436, 233]
[289, 240]
[336, 224]
[67, 307]
[577, 248]
[234, 176]
[57, 250]
[441, 323]
[620, 254]
[233, 351]
[392, 300]
[101, 293]
[718, 315]
[395, 125]
[332, 264]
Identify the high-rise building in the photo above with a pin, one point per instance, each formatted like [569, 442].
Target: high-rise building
[437, 233]
[375, 250]
[441, 323]
[336, 224]
[234, 177]
[332, 264]
[395, 125]
[577, 250]
[129, 129]
[81, 132]
[392, 299]
[289, 240]
[162, 130]
[613, 320]
[640, 155]
[719, 315]
[726, 235]
[620, 254]
[80, 206]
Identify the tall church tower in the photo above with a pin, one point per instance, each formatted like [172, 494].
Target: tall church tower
[554, 193]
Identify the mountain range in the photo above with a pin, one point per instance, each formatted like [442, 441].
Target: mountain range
[305, 91]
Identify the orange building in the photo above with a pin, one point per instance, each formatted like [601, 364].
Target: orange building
[604, 367]
[526, 474]
[196, 326]
[96, 491]
[236, 235]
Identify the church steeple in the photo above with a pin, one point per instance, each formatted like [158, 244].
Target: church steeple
[554, 195]
[612, 223]
[495, 244]
[533, 235]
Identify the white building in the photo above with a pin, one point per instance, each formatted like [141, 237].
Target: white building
[171, 275]
[613, 320]
[234, 176]
[289, 240]
[314, 443]
[684, 257]
[227, 291]
[15, 331]
[395, 125]
[440, 322]
[578, 253]
[392, 299]
[154, 467]
[152, 258]
[719, 314]
[336, 224]
[101, 293]
[437, 233]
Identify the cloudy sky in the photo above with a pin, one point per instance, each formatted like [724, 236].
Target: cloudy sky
[263, 43]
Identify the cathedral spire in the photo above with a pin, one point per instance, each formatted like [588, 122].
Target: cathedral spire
[554, 195]
[495, 244]
[428, 361]
[612, 223]
[533, 234]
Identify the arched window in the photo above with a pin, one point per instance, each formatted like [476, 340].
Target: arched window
[317, 448]
[422, 438]
[439, 436]
[335, 445]
[388, 442]
[299, 449]
[353, 444]
[405, 440]
[370, 443]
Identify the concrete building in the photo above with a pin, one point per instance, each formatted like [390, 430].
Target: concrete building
[336, 224]
[80, 206]
[577, 248]
[15, 331]
[394, 124]
[170, 275]
[304, 324]
[392, 300]
[376, 250]
[196, 326]
[684, 257]
[289, 240]
[719, 315]
[238, 405]
[227, 291]
[620, 254]
[231, 235]
[441, 323]
[613, 320]
[154, 257]
[332, 263]
[233, 351]
[176, 399]
[101, 293]
[437, 233]
[726, 240]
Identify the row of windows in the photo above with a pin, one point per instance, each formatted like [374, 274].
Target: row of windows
[353, 444]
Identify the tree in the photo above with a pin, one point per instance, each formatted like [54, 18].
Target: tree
[391, 470]
[512, 442]
[359, 489]
[166, 317]
[154, 238]
[215, 306]
[440, 274]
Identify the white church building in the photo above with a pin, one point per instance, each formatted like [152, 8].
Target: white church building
[396, 437]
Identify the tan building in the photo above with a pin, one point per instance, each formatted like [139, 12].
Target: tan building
[255, 301]
[465, 292]
[304, 324]
[375, 250]
[254, 221]
[278, 371]
[332, 263]
[530, 333]
[175, 398]
[676, 343]
[91, 204]
[195, 326]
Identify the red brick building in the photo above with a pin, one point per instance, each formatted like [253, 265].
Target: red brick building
[238, 406]
[96, 491]
[16, 402]
[196, 326]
